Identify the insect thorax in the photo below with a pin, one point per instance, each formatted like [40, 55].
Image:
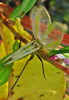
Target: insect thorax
[38, 44]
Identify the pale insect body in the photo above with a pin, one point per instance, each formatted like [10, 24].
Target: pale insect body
[22, 52]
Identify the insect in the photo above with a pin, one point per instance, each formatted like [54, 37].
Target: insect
[43, 38]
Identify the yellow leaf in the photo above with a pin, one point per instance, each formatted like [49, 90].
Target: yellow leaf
[33, 86]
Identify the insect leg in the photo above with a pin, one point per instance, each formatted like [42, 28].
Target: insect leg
[42, 64]
[24, 40]
[32, 55]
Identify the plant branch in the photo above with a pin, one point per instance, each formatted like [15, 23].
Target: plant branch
[16, 34]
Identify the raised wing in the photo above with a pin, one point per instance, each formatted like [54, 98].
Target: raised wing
[40, 19]
[53, 36]
[50, 34]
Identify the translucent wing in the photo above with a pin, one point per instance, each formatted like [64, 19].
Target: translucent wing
[50, 34]
[53, 36]
[40, 19]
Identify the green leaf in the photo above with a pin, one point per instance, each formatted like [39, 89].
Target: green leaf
[61, 51]
[29, 5]
[16, 45]
[66, 55]
[23, 8]
[4, 71]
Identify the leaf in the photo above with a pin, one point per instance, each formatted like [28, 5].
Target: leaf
[23, 8]
[10, 39]
[61, 51]
[29, 5]
[33, 86]
[9, 36]
[16, 45]
[4, 87]
[4, 39]
[4, 71]
[66, 55]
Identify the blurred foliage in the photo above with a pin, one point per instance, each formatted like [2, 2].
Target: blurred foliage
[59, 11]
